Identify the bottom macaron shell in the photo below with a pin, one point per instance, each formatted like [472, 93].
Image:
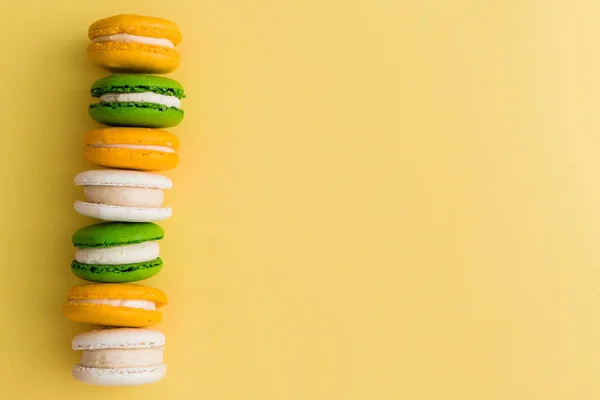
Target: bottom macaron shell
[104, 315]
[145, 115]
[119, 376]
[142, 160]
[107, 212]
[133, 57]
[116, 273]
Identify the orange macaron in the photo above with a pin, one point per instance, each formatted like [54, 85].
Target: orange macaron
[141, 149]
[134, 43]
[115, 304]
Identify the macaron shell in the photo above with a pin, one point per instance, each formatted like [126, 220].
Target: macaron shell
[140, 160]
[119, 376]
[110, 234]
[107, 212]
[133, 57]
[135, 114]
[125, 291]
[105, 315]
[118, 338]
[120, 178]
[132, 83]
[131, 135]
[116, 273]
[139, 25]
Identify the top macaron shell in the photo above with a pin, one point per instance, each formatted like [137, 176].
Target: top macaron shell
[134, 43]
[118, 338]
[146, 101]
[123, 178]
[109, 234]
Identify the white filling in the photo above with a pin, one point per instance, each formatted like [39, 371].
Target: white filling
[143, 304]
[129, 254]
[122, 358]
[127, 38]
[143, 97]
[124, 196]
[164, 149]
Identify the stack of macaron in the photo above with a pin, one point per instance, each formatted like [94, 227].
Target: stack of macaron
[125, 194]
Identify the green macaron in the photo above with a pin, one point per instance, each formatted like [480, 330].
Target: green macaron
[137, 100]
[117, 252]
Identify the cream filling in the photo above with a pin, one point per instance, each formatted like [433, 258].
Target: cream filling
[122, 358]
[143, 304]
[127, 38]
[124, 196]
[164, 149]
[143, 97]
[129, 254]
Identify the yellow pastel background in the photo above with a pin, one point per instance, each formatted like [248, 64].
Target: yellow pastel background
[377, 199]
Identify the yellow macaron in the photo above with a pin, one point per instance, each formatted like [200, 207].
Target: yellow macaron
[134, 43]
[115, 304]
[141, 149]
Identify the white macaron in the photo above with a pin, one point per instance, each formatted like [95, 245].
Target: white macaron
[122, 195]
[120, 357]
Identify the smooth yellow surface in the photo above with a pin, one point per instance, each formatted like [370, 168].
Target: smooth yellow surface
[383, 199]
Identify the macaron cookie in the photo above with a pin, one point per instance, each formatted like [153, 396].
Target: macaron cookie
[142, 149]
[122, 195]
[117, 252]
[115, 304]
[146, 101]
[134, 43]
[119, 357]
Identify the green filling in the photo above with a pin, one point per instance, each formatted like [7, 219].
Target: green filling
[154, 106]
[97, 92]
[115, 269]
